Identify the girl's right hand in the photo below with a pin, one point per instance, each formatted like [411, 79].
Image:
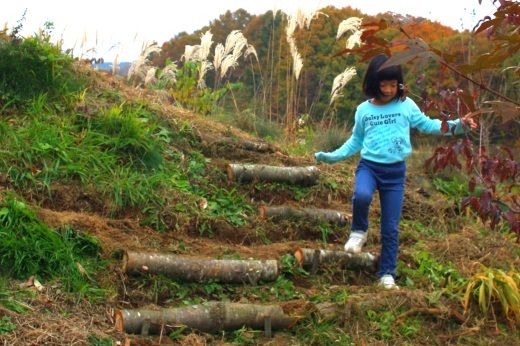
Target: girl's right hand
[469, 121]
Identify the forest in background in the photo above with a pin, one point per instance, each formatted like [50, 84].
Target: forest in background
[267, 86]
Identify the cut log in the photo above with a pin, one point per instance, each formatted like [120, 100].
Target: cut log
[210, 317]
[364, 260]
[262, 147]
[293, 175]
[289, 213]
[255, 146]
[187, 268]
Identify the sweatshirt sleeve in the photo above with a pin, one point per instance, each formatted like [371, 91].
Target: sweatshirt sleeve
[428, 125]
[349, 148]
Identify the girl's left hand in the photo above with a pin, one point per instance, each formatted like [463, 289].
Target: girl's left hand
[469, 121]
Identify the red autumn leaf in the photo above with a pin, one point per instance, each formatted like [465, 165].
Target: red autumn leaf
[496, 215]
[487, 24]
[473, 183]
[445, 127]
[511, 217]
[471, 201]
[468, 101]
[508, 152]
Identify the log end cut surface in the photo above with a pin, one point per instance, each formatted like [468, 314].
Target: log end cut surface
[230, 173]
[119, 323]
[298, 253]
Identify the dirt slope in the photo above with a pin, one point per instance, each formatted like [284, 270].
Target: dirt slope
[55, 320]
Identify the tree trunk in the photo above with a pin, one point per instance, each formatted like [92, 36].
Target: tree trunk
[293, 175]
[194, 269]
[288, 213]
[210, 317]
[311, 257]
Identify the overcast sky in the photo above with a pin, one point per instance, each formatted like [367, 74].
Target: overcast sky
[113, 28]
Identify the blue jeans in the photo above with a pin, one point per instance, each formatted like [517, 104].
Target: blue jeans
[389, 180]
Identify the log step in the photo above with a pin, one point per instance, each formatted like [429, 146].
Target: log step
[312, 257]
[293, 175]
[277, 213]
[187, 268]
[209, 317]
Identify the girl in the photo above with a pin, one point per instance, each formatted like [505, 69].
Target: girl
[382, 133]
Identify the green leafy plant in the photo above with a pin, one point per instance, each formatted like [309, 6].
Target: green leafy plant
[453, 188]
[229, 205]
[382, 323]
[197, 165]
[284, 290]
[385, 327]
[290, 267]
[437, 275]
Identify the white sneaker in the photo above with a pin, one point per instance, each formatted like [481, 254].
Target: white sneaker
[388, 282]
[355, 242]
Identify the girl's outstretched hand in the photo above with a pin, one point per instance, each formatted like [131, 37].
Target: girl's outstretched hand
[469, 121]
[318, 157]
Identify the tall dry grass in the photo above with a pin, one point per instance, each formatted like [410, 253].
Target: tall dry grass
[303, 20]
[223, 57]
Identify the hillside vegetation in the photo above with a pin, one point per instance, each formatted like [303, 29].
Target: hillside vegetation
[266, 80]
[94, 166]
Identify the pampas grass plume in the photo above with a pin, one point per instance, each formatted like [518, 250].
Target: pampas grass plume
[352, 24]
[205, 45]
[340, 81]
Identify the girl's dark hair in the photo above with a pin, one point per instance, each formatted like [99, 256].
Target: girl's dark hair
[373, 77]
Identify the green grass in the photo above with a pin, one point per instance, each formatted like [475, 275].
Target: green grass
[28, 247]
[34, 66]
[316, 331]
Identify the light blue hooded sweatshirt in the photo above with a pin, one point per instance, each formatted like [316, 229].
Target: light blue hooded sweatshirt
[382, 133]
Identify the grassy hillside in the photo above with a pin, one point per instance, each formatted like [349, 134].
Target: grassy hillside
[92, 167]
